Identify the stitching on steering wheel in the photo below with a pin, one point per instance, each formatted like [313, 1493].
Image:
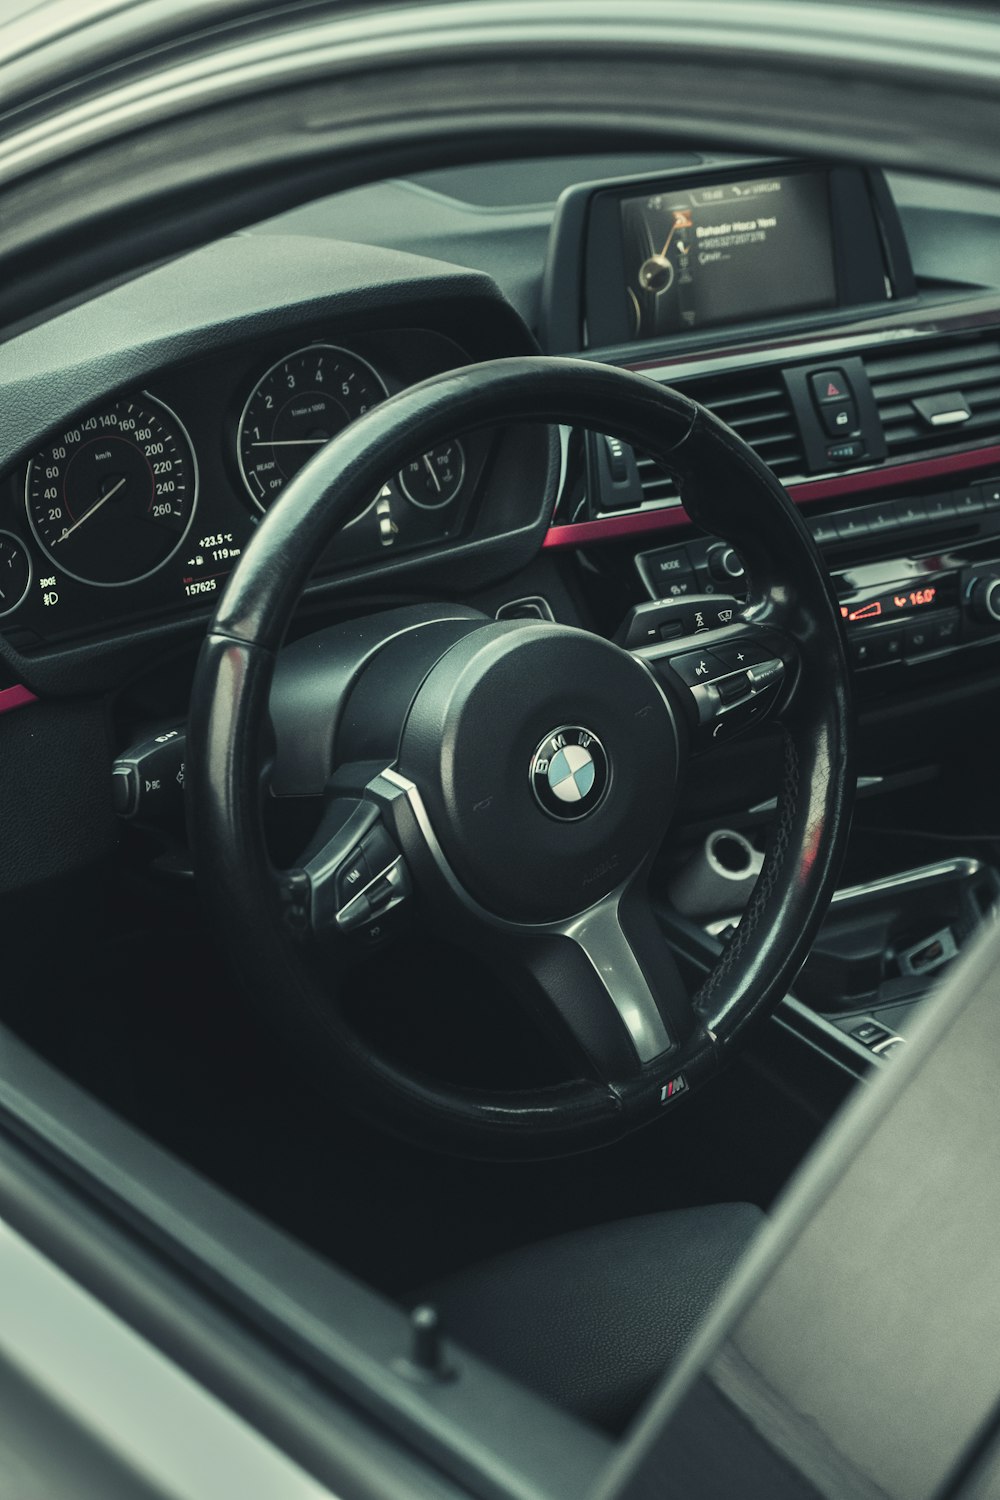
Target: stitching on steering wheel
[773, 867]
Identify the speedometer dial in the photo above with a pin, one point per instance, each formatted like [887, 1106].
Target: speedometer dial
[110, 499]
[301, 402]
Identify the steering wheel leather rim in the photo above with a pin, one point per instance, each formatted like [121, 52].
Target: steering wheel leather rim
[727, 490]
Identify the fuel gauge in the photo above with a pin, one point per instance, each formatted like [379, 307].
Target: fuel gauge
[15, 572]
[435, 478]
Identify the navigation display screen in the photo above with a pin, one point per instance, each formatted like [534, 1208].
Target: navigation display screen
[697, 257]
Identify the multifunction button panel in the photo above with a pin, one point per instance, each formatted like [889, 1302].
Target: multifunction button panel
[728, 675]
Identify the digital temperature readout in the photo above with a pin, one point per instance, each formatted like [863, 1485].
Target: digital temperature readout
[886, 606]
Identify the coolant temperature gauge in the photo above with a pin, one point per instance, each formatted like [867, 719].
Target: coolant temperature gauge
[15, 572]
[435, 478]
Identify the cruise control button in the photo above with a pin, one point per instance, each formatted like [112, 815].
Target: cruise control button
[738, 655]
[741, 716]
[648, 624]
[671, 630]
[355, 914]
[765, 674]
[732, 689]
[697, 666]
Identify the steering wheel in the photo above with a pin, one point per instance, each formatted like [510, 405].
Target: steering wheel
[512, 781]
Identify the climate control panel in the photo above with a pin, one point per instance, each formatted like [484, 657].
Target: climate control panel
[917, 578]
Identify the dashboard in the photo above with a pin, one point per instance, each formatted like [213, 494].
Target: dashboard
[173, 418]
[142, 505]
[148, 429]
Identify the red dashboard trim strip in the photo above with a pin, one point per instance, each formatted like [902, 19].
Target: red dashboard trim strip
[579, 533]
[608, 528]
[15, 697]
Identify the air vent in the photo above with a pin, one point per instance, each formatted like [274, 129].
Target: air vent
[755, 405]
[658, 487]
[907, 381]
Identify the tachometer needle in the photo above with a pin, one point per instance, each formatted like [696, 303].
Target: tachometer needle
[292, 443]
[430, 469]
[92, 511]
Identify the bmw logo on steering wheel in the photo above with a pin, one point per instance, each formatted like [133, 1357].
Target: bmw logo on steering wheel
[570, 772]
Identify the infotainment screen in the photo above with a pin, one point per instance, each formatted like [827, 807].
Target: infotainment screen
[693, 253]
[727, 252]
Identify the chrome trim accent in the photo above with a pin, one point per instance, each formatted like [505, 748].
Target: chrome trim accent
[807, 1019]
[355, 915]
[597, 931]
[586, 807]
[919, 876]
[539, 599]
[890, 1041]
[601, 936]
[950, 418]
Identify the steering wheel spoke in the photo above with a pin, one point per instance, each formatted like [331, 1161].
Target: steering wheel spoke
[610, 984]
[602, 982]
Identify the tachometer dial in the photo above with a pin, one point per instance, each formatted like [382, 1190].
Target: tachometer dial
[15, 572]
[302, 402]
[435, 478]
[111, 498]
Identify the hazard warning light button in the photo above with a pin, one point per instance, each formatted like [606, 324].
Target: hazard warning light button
[830, 387]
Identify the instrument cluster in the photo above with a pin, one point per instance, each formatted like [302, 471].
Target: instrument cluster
[142, 505]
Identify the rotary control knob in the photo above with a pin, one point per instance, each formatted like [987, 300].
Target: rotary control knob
[984, 600]
[724, 564]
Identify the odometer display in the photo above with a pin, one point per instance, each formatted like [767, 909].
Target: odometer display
[111, 498]
[300, 403]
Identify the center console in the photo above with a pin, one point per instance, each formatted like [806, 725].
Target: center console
[781, 296]
[918, 579]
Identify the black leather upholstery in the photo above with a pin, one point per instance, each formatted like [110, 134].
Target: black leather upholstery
[593, 1318]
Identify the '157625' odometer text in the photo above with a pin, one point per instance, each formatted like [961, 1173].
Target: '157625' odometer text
[111, 498]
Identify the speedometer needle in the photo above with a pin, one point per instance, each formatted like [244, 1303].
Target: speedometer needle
[92, 511]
